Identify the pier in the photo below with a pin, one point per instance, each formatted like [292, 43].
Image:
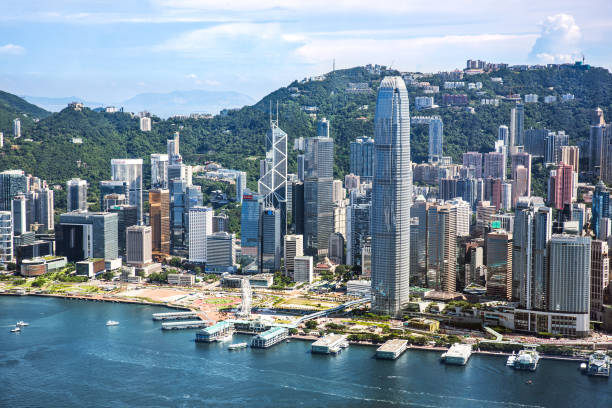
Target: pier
[191, 324]
[216, 332]
[270, 337]
[392, 349]
[329, 344]
[174, 316]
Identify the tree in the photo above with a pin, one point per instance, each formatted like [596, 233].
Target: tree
[311, 324]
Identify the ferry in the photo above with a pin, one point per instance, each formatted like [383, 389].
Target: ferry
[21, 323]
[458, 354]
[237, 346]
[511, 360]
[16, 329]
[527, 358]
[112, 323]
[599, 364]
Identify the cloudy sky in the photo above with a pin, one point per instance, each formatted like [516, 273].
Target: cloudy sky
[108, 50]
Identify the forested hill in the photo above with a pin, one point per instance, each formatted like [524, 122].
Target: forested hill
[236, 140]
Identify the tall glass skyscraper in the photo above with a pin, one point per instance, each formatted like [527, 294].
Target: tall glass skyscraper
[436, 131]
[391, 199]
[130, 171]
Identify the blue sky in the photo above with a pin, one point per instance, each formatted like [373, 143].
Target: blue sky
[108, 51]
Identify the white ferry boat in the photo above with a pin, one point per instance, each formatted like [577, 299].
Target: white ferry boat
[21, 323]
[599, 364]
[458, 354]
[527, 358]
[16, 329]
[112, 323]
[511, 360]
[237, 346]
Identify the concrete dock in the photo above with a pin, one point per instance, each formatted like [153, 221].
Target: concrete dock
[330, 344]
[392, 349]
[174, 316]
[191, 324]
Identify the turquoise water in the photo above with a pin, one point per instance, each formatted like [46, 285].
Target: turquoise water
[67, 357]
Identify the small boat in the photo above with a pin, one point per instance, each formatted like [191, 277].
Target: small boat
[112, 323]
[16, 329]
[21, 323]
[599, 364]
[237, 346]
[583, 366]
[511, 360]
[527, 358]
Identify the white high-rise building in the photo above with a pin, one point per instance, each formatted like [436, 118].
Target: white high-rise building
[570, 274]
[200, 227]
[17, 128]
[6, 236]
[130, 171]
[391, 199]
[294, 246]
[303, 269]
[159, 170]
[241, 185]
[138, 245]
[145, 124]
[464, 216]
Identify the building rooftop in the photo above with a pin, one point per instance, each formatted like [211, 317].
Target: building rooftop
[268, 334]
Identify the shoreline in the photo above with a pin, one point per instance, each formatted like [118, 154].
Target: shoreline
[293, 337]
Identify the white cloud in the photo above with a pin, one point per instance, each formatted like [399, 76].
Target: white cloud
[559, 40]
[12, 49]
[191, 76]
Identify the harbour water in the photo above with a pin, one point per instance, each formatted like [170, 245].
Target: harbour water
[68, 357]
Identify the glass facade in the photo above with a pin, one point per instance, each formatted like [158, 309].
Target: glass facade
[391, 199]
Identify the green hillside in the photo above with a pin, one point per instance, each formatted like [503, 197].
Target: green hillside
[12, 107]
[236, 140]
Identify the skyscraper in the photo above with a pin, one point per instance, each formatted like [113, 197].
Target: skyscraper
[12, 183]
[200, 227]
[494, 165]
[391, 199]
[252, 205]
[130, 171]
[571, 155]
[503, 134]
[269, 240]
[173, 150]
[241, 185]
[362, 158]
[554, 142]
[19, 214]
[499, 264]
[273, 182]
[517, 126]
[561, 186]
[442, 247]
[436, 132]
[159, 215]
[83, 235]
[16, 128]
[601, 206]
[600, 277]
[318, 194]
[294, 246]
[6, 236]
[522, 159]
[76, 190]
[159, 170]
[323, 128]
[138, 244]
[570, 271]
[473, 160]
[598, 124]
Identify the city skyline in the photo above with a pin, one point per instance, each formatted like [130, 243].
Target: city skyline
[146, 42]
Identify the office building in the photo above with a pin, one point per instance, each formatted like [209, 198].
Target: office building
[571, 155]
[601, 206]
[351, 182]
[598, 124]
[318, 195]
[520, 184]
[436, 131]
[173, 149]
[130, 171]
[494, 165]
[570, 273]
[503, 134]
[249, 223]
[357, 225]
[159, 219]
[303, 269]
[338, 192]
[362, 158]
[200, 227]
[517, 125]
[112, 188]
[159, 170]
[40, 209]
[19, 215]
[220, 223]
[535, 141]
[340, 210]
[507, 198]
[522, 159]
[323, 128]
[83, 235]
[554, 142]
[473, 160]
[76, 190]
[561, 186]
[16, 128]
[442, 247]
[220, 252]
[269, 240]
[391, 199]
[127, 215]
[241, 185]
[138, 245]
[294, 246]
[297, 207]
[606, 155]
[300, 167]
[12, 183]
[418, 247]
[6, 237]
[499, 264]
[335, 251]
[600, 278]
